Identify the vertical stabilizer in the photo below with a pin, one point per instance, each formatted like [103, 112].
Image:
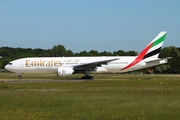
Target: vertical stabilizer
[154, 47]
[151, 51]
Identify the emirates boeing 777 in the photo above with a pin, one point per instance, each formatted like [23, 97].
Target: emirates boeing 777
[67, 66]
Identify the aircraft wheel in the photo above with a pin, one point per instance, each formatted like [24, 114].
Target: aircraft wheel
[92, 78]
[87, 77]
[19, 77]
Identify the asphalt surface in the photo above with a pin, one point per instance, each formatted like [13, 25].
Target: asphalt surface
[39, 81]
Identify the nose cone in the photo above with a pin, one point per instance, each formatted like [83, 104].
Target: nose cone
[9, 67]
[6, 67]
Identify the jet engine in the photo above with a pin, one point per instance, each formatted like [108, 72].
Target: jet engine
[65, 71]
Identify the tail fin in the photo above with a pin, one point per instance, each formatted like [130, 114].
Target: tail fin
[151, 50]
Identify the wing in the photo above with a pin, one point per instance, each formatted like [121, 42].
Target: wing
[92, 65]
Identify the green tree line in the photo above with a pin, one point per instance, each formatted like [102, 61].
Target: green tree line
[8, 54]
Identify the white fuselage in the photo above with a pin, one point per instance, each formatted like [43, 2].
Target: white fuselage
[51, 64]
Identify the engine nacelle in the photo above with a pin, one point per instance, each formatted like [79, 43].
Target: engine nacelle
[65, 71]
[101, 69]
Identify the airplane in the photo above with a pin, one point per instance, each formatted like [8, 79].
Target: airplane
[67, 66]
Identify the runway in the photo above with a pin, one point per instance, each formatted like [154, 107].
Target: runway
[40, 81]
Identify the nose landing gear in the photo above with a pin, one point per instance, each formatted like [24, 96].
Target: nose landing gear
[19, 76]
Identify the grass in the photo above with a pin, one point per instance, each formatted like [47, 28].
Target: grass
[109, 96]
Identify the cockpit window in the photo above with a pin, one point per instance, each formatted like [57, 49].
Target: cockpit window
[9, 63]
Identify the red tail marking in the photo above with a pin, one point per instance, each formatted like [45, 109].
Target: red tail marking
[139, 57]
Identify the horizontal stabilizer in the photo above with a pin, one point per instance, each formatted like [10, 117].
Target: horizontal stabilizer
[159, 59]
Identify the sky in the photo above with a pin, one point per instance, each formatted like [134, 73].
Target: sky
[78, 25]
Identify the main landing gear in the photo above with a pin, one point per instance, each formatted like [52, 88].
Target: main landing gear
[87, 75]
